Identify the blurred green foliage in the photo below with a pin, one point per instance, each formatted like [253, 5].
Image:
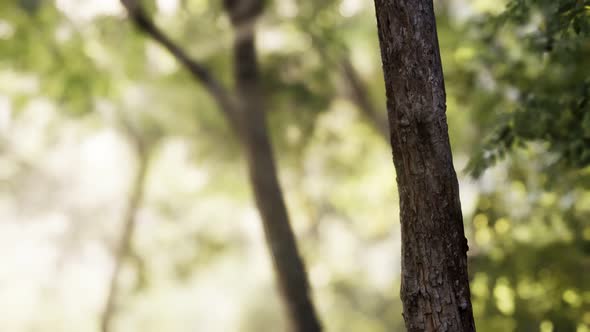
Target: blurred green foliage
[517, 80]
[538, 53]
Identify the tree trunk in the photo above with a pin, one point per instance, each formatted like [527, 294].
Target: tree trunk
[289, 267]
[435, 287]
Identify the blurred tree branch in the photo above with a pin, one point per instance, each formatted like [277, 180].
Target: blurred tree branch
[245, 112]
[361, 98]
[223, 98]
[357, 92]
[124, 246]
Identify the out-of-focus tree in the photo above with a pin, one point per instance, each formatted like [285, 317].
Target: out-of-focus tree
[245, 113]
[123, 248]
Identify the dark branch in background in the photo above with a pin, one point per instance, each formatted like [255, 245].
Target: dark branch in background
[361, 98]
[288, 264]
[358, 92]
[223, 98]
[123, 249]
[245, 112]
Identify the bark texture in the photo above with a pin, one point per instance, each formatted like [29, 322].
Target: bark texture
[435, 287]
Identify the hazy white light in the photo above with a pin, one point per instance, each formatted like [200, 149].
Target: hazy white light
[350, 8]
[17, 82]
[5, 113]
[287, 8]
[97, 151]
[103, 166]
[54, 224]
[89, 9]
[250, 224]
[512, 94]
[340, 247]
[382, 262]
[134, 96]
[160, 60]
[461, 10]
[271, 40]
[92, 267]
[6, 30]
[63, 33]
[167, 7]
[107, 109]
[320, 276]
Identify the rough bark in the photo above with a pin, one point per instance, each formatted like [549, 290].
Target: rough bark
[245, 113]
[435, 287]
[289, 267]
[124, 244]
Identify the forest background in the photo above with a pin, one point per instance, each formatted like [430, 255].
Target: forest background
[100, 126]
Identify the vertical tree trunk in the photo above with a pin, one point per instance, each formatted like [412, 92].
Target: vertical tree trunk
[289, 267]
[435, 287]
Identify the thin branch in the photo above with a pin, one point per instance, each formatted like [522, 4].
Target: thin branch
[290, 272]
[358, 92]
[360, 97]
[123, 249]
[251, 128]
[141, 20]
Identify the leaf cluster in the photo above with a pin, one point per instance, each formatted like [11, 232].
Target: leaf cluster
[539, 54]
